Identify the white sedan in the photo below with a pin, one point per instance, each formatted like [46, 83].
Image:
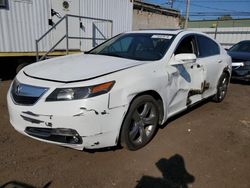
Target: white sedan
[120, 92]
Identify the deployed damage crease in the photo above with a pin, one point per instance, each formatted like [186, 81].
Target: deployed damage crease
[36, 115]
[31, 120]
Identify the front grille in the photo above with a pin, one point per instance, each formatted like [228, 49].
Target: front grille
[24, 100]
[23, 94]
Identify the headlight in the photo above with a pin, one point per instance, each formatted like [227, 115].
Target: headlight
[66, 94]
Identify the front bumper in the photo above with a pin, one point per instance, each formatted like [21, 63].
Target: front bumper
[62, 135]
[78, 124]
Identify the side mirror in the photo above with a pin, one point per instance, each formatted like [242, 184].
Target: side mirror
[184, 58]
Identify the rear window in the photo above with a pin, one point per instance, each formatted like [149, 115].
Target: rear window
[207, 47]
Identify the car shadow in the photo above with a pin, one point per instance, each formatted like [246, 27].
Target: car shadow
[174, 175]
[107, 149]
[17, 184]
[240, 82]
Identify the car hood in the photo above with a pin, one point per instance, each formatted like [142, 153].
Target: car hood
[239, 56]
[78, 67]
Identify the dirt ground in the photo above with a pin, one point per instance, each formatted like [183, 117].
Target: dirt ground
[208, 147]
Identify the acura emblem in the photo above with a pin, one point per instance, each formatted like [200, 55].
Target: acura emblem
[18, 89]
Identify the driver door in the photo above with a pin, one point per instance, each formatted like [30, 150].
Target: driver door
[186, 77]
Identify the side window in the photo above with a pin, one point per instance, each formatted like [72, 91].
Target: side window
[207, 47]
[187, 45]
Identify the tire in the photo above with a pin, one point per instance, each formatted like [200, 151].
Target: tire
[140, 123]
[221, 88]
[20, 66]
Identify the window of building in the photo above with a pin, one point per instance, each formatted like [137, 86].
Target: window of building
[3, 4]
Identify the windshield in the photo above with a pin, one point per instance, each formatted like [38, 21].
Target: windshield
[241, 47]
[137, 46]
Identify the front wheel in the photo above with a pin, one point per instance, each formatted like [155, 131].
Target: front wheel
[140, 123]
[222, 88]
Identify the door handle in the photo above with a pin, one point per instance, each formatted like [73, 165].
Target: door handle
[220, 61]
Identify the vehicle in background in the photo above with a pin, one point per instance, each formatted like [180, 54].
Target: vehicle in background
[240, 54]
[119, 92]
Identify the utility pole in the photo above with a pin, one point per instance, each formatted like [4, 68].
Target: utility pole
[171, 2]
[187, 13]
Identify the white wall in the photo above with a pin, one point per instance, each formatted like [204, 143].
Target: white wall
[22, 23]
[27, 20]
[119, 11]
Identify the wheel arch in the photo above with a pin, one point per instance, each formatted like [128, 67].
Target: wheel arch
[157, 97]
[151, 93]
[227, 71]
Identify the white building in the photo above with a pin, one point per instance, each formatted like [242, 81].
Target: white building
[22, 22]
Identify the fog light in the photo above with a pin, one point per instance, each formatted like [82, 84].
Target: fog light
[76, 140]
[72, 139]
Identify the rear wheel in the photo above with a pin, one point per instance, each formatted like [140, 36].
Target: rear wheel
[222, 88]
[140, 123]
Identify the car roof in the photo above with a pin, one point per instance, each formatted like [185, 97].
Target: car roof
[167, 31]
[244, 41]
[160, 31]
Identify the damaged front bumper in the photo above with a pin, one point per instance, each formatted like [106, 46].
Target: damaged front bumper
[62, 135]
[79, 124]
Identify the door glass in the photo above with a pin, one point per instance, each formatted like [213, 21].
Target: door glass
[207, 47]
[187, 45]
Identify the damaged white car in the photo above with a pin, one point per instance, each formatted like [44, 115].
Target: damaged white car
[121, 91]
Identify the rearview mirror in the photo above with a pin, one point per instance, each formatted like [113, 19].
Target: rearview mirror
[184, 58]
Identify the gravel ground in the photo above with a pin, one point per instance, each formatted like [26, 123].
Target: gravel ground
[207, 147]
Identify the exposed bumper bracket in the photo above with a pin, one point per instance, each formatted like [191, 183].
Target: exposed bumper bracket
[62, 135]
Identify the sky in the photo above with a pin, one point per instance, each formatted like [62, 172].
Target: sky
[209, 9]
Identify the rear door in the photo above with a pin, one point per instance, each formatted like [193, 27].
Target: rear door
[209, 57]
[186, 79]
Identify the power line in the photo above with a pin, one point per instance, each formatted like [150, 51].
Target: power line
[217, 1]
[219, 13]
[187, 13]
[213, 8]
[216, 12]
